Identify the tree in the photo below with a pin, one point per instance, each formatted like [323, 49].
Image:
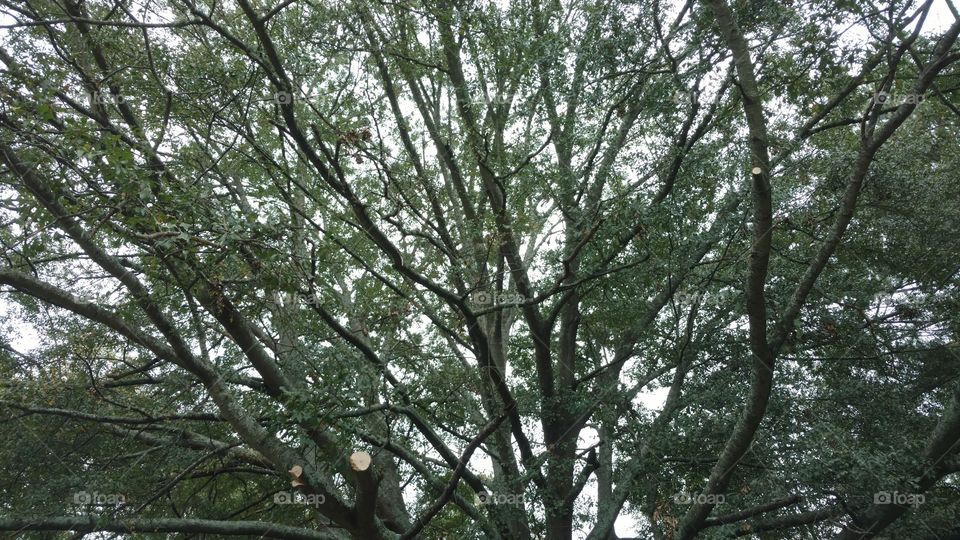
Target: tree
[260, 241]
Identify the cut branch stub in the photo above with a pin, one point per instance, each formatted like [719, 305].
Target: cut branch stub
[295, 473]
[360, 461]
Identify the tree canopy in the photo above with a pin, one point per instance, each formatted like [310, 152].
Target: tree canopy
[458, 269]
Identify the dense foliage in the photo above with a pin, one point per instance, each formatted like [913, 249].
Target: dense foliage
[563, 269]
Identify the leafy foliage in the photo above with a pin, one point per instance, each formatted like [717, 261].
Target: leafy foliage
[515, 251]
